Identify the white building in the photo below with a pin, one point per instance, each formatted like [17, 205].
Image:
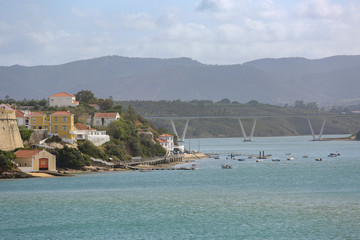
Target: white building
[83, 132]
[167, 142]
[22, 118]
[104, 119]
[62, 99]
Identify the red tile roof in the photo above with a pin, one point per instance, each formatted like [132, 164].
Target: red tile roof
[166, 135]
[61, 113]
[19, 114]
[62, 94]
[161, 141]
[80, 126]
[26, 153]
[105, 115]
[37, 114]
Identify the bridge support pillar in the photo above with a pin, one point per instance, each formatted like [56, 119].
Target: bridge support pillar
[182, 138]
[246, 138]
[321, 130]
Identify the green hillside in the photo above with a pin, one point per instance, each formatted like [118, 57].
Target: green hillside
[289, 126]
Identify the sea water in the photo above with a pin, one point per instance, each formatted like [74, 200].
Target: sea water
[296, 199]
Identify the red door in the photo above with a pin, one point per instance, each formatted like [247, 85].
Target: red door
[43, 164]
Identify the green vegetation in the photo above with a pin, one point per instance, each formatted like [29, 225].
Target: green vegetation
[6, 163]
[217, 127]
[70, 158]
[25, 133]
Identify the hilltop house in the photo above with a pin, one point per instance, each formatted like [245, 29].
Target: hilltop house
[35, 160]
[83, 132]
[59, 123]
[62, 99]
[167, 142]
[104, 119]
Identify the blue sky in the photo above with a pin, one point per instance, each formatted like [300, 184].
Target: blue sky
[47, 32]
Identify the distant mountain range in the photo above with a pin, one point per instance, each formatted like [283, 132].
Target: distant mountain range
[332, 80]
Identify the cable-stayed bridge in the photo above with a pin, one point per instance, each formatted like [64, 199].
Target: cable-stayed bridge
[248, 138]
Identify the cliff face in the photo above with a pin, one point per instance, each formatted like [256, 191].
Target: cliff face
[10, 137]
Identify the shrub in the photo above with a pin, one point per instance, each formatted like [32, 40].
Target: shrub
[6, 161]
[70, 158]
[90, 149]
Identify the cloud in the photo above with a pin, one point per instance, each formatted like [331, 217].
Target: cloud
[318, 9]
[140, 21]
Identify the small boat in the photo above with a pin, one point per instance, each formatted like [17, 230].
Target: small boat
[276, 160]
[259, 160]
[241, 159]
[318, 159]
[146, 170]
[226, 166]
[194, 166]
[335, 154]
[290, 158]
[305, 156]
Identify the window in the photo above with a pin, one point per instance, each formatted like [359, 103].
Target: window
[46, 128]
[34, 120]
[55, 128]
[34, 127]
[64, 128]
[55, 119]
[64, 119]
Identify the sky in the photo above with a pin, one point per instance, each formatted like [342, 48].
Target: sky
[50, 32]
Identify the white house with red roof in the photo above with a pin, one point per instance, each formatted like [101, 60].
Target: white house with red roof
[104, 119]
[62, 99]
[84, 132]
[167, 142]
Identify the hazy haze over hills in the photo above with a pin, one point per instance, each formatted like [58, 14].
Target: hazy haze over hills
[333, 80]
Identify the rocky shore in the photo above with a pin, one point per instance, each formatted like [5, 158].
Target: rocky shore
[14, 173]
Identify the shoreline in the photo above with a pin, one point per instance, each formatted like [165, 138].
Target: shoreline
[93, 169]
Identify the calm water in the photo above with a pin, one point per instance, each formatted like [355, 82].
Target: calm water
[298, 199]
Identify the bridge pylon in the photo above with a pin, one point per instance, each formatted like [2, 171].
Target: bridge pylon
[321, 130]
[246, 138]
[182, 138]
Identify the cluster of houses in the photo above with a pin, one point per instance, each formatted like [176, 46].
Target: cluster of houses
[61, 123]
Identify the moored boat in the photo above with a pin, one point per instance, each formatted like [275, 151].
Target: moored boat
[226, 166]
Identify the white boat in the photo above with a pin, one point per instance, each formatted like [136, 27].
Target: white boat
[259, 160]
[226, 166]
[290, 158]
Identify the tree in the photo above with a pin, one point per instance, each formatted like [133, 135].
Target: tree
[25, 133]
[253, 103]
[90, 149]
[6, 161]
[84, 96]
[70, 158]
[119, 130]
[105, 104]
[224, 101]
